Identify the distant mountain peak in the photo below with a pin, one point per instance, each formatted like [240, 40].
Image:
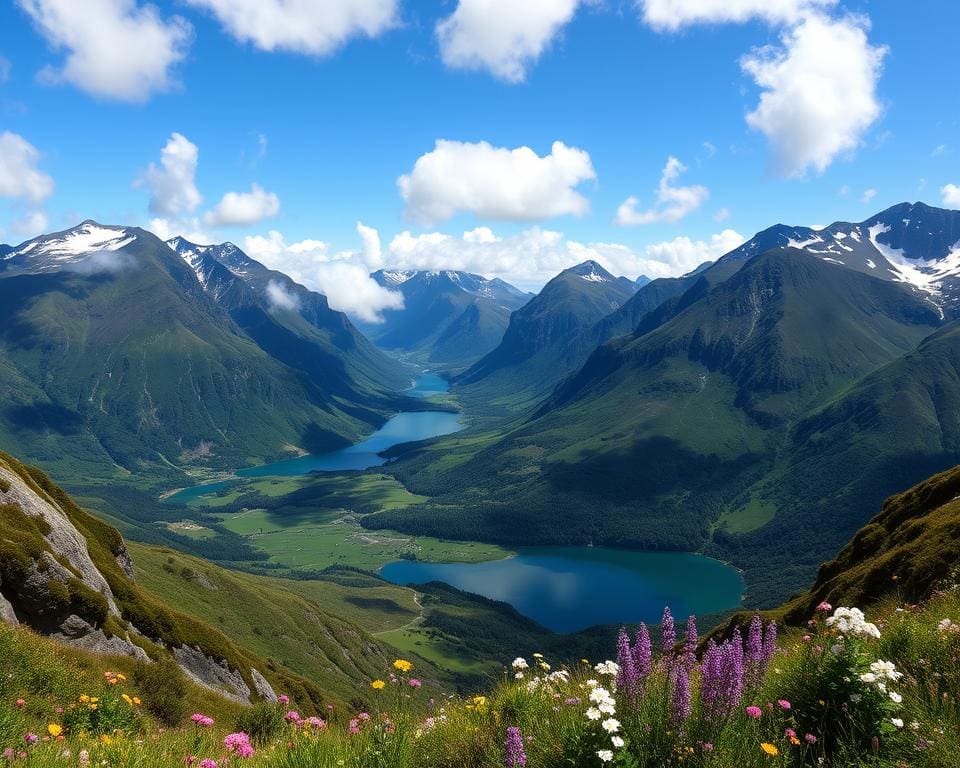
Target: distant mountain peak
[592, 272]
[50, 252]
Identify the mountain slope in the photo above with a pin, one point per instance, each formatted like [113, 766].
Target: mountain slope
[449, 319]
[543, 340]
[117, 363]
[69, 576]
[660, 433]
[290, 322]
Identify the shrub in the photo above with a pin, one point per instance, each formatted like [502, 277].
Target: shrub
[163, 689]
[262, 722]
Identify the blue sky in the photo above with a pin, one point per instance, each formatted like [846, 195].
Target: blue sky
[326, 105]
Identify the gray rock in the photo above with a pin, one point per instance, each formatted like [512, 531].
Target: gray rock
[125, 562]
[262, 686]
[215, 675]
[77, 632]
[7, 613]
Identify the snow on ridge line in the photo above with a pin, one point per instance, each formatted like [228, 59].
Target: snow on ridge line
[79, 241]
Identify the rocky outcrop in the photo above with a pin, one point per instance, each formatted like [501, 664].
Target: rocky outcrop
[212, 674]
[78, 632]
[264, 689]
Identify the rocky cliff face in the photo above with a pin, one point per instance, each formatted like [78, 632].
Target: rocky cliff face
[51, 581]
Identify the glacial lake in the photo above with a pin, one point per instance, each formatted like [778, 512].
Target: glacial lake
[567, 589]
[406, 427]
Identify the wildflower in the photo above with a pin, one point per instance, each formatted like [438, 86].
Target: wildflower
[20, 703]
[83, 758]
[283, 699]
[617, 741]
[680, 705]
[294, 717]
[594, 714]
[378, 685]
[784, 704]
[824, 607]
[627, 677]
[515, 755]
[479, 701]
[770, 749]
[54, 730]
[895, 697]
[414, 682]
[608, 668]
[810, 738]
[851, 621]
[127, 698]
[238, 744]
[403, 665]
[885, 669]
[754, 712]
[668, 632]
[31, 738]
[642, 653]
[897, 722]
[520, 663]
[208, 763]
[200, 719]
[136, 701]
[573, 701]
[610, 725]
[315, 722]
[605, 755]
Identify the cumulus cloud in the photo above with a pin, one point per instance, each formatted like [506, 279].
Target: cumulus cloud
[951, 196]
[868, 195]
[672, 15]
[819, 91]
[280, 299]
[31, 224]
[372, 251]
[301, 26]
[103, 262]
[20, 176]
[189, 229]
[495, 182]
[5, 69]
[673, 202]
[531, 258]
[115, 49]
[237, 209]
[343, 277]
[173, 189]
[501, 36]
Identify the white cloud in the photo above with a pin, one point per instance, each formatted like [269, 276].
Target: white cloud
[281, 299]
[187, 228]
[819, 91]
[343, 277]
[868, 195]
[502, 36]
[116, 49]
[673, 203]
[372, 251]
[19, 175]
[31, 224]
[173, 190]
[722, 215]
[495, 182]
[301, 26]
[533, 257]
[672, 15]
[938, 150]
[238, 209]
[951, 196]
[5, 69]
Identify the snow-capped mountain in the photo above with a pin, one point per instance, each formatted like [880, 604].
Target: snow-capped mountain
[909, 243]
[61, 250]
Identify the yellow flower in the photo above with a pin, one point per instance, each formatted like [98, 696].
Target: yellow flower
[106, 738]
[121, 677]
[127, 699]
[378, 685]
[94, 699]
[54, 730]
[84, 699]
[403, 665]
[770, 749]
[479, 701]
[136, 701]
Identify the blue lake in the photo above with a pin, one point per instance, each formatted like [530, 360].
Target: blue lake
[567, 589]
[403, 428]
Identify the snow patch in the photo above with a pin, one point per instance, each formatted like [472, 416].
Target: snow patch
[79, 241]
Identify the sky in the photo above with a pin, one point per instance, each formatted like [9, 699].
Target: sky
[329, 138]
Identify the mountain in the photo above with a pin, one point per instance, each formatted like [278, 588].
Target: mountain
[65, 574]
[661, 437]
[449, 319]
[118, 366]
[543, 341]
[290, 322]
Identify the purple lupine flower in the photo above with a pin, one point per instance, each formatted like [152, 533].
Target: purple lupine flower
[691, 638]
[627, 677]
[754, 648]
[643, 652]
[712, 684]
[735, 668]
[515, 756]
[668, 632]
[680, 705]
[769, 644]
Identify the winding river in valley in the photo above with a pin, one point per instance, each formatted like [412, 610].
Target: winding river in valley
[565, 589]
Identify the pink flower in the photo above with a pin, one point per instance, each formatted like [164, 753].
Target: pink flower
[810, 738]
[784, 704]
[20, 703]
[283, 699]
[315, 722]
[208, 763]
[31, 738]
[790, 733]
[414, 683]
[239, 744]
[202, 720]
[754, 712]
[807, 638]
[824, 607]
[189, 760]
[292, 716]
